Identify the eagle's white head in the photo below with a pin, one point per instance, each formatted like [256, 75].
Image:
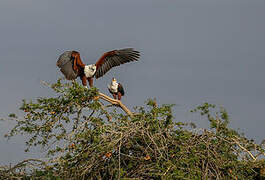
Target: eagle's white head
[90, 70]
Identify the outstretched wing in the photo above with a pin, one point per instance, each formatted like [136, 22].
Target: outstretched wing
[65, 64]
[70, 64]
[64, 58]
[115, 58]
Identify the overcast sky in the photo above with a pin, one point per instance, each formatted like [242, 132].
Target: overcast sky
[193, 51]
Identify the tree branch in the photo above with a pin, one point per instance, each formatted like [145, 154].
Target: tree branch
[243, 148]
[24, 162]
[115, 102]
[104, 97]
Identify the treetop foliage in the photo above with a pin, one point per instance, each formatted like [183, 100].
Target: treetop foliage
[86, 139]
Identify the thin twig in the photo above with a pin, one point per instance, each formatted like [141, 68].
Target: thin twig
[120, 159]
[107, 114]
[26, 161]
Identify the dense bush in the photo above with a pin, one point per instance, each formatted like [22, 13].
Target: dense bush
[86, 140]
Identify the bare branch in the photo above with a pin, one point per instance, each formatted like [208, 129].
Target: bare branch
[239, 145]
[115, 102]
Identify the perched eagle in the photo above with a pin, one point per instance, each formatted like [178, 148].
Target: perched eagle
[116, 89]
[72, 66]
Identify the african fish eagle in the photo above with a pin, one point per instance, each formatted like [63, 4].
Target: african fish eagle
[115, 89]
[71, 65]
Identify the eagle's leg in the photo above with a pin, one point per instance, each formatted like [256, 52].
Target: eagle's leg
[84, 82]
[119, 96]
[114, 96]
[90, 81]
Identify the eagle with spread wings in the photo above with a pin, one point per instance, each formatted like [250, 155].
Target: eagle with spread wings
[71, 65]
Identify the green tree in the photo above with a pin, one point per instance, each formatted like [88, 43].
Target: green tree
[86, 139]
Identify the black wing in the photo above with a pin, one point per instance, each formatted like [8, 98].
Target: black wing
[115, 58]
[120, 89]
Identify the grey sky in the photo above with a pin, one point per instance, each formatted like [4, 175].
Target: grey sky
[192, 51]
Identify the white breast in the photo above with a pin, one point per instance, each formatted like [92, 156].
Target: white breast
[90, 70]
[113, 87]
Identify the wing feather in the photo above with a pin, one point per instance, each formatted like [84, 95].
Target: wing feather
[115, 58]
[121, 89]
[65, 64]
